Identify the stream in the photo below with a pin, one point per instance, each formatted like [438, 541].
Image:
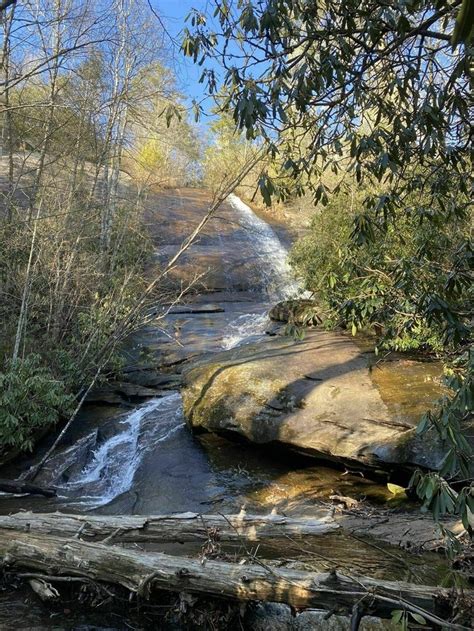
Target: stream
[144, 460]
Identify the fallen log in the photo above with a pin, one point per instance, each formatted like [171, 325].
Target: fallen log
[143, 572]
[184, 527]
[21, 486]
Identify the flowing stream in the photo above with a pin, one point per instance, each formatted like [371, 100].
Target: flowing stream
[144, 460]
[113, 464]
[133, 460]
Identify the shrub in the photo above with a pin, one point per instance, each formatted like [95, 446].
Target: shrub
[398, 281]
[31, 400]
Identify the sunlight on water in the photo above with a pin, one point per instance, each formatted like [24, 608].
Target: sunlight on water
[277, 279]
[244, 327]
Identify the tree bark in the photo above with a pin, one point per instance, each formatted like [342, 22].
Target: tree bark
[184, 527]
[143, 572]
[6, 140]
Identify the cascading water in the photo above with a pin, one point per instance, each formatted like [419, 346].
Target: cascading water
[111, 469]
[96, 470]
[245, 327]
[277, 281]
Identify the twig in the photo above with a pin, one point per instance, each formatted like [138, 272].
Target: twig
[81, 530]
[65, 579]
[388, 553]
[112, 535]
[33, 472]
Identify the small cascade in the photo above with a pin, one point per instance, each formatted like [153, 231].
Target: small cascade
[245, 327]
[111, 468]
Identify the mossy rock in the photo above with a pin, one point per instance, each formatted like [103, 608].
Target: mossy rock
[301, 312]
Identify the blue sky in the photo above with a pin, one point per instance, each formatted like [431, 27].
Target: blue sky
[173, 13]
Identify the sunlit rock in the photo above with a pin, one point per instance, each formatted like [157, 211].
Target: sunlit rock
[316, 396]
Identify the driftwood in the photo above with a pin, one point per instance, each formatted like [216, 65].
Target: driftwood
[184, 527]
[142, 572]
[408, 531]
[43, 590]
[21, 486]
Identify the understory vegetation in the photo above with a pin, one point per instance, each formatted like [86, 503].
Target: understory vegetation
[91, 124]
[400, 282]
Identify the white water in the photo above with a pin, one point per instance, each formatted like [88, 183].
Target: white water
[277, 279]
[272, 257]
[113, 464]
[110, 469]
[243, 328]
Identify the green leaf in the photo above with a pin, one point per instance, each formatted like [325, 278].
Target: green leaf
[464, 28]
[397, 615]
[418, 618]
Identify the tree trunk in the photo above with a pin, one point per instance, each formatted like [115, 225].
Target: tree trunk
[7, 129]
[142, 572]
[182, 527]
[48, 127]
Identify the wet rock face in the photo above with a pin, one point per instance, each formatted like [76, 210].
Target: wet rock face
[301, 312]
[316, 396]
[235, 251]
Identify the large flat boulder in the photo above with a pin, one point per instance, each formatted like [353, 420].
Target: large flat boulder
[316, 396]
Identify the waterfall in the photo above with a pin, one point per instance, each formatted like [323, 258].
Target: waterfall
[277, 279]
[106, 468]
